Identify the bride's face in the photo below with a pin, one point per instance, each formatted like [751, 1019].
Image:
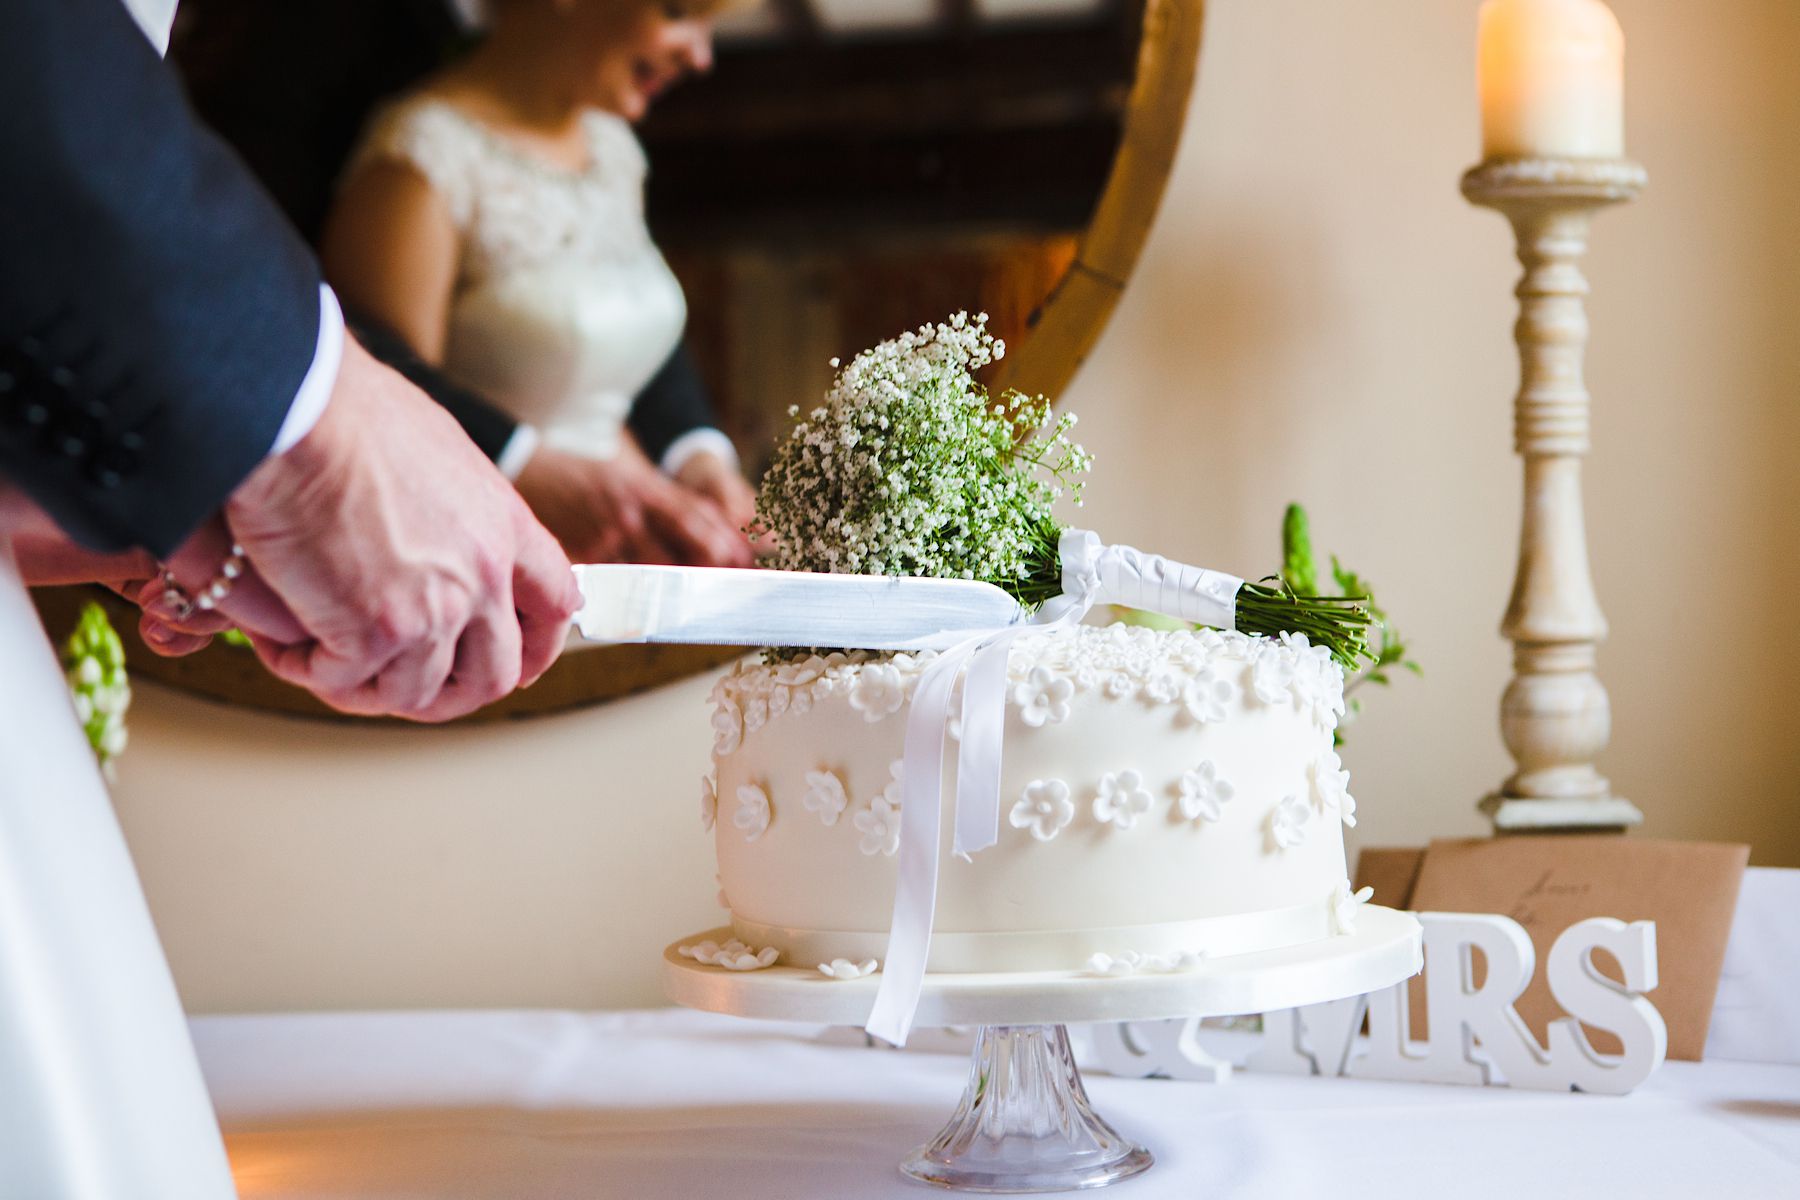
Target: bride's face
[640, 50]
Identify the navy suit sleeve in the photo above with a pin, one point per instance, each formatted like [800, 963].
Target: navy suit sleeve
[157, 313]
[674, 402]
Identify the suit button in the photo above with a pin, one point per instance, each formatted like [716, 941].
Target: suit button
[108, 478]
[131, 441]
[8, 381]
[36, 414]
[73, 447]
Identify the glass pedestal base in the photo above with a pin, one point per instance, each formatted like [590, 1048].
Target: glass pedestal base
[1025, 1124]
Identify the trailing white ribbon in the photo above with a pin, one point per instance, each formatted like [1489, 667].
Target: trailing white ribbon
[1092, 573]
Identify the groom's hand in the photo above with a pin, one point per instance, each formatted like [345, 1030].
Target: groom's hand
[423, 585]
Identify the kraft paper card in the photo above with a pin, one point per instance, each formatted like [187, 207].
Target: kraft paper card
[1549, 882]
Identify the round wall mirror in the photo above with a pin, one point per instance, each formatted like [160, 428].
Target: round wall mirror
[849, 169]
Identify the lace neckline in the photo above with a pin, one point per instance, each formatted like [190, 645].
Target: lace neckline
[537, 164]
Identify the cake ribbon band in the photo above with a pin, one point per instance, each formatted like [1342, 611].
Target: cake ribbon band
[1092, 573]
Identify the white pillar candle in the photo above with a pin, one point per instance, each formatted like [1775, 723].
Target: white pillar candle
[1552, 79]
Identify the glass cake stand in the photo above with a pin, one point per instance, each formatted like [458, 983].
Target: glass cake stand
[1025, 1123]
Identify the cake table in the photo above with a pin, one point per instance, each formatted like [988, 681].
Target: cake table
[1024, 1123]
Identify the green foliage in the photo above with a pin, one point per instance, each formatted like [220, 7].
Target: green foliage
[1390, 650]
[93, 660]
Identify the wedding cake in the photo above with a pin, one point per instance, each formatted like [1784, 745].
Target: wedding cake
[1165, 797]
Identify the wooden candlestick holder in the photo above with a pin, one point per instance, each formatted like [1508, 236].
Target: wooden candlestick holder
[1554, 715]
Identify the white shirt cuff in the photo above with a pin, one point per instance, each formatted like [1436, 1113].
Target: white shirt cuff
[315, 390]
[704, 440]
[518, 450]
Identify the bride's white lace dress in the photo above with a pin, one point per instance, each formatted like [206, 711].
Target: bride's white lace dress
[563, 308]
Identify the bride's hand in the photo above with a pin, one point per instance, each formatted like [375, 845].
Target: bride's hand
[721, 483]
[623, 509]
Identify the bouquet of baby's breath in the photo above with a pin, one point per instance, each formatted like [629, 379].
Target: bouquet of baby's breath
[909, 467]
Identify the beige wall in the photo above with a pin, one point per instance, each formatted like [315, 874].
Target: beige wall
[1320, 317]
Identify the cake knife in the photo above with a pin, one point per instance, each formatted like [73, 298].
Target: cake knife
[731, 607]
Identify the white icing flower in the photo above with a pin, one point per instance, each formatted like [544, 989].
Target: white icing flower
[896, 772]
[1207, 696]
[1287, 824]
[1272, 674]
[779, 699]
[727, 726]
[752, 815]
[797, 674]
[879, 825]
[733, 955]
[1123, 799]
[1043, 696]
[720, 896]
[1044, 808]
[1331, 784]
[1132, 963]
[1204, 792]
[801, 700]
[1162, 687]
[1345, 905]
[843, 968]
[756, 713]
[825, 796]
[1106, 964]
[879, 690]
[747, 959]
[1120, 686]
[709, 802]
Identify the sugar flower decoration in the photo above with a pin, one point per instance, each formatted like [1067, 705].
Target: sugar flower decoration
[1287, 824]
[1204, 793]
[756, 713]
[1123, 799]
[896, 773]
[752, 815]
[733, 955]
[1133, 963]
[825, 796]
[1272, 674]
[1043, 696]
[879, 691]
[1044, 808]
[879, 825]
[709, 802]
[1346, 904]
[843, 968]
[1331, 784]
[727, 726]
[1207, 695]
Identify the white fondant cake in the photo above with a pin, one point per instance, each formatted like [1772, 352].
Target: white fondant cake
[1164, 797]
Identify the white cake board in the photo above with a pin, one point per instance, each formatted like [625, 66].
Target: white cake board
[1384, 950]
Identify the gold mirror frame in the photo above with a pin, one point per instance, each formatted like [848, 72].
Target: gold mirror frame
[1063, 330]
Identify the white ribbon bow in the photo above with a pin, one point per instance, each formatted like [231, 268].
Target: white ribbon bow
[1092, 573]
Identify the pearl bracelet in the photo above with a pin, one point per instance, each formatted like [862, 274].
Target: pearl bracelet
[216, 589]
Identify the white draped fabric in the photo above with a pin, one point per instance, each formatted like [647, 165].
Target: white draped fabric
[100, 1095]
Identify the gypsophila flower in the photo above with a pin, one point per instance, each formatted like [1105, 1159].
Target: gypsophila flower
[908, 467]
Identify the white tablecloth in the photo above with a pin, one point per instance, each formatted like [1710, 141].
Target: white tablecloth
[647, 1105]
